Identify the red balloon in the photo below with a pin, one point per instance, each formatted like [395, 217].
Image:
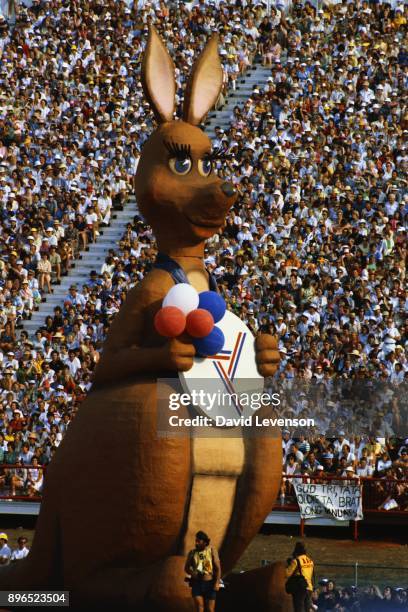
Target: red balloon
[170, 322]
[200, 323]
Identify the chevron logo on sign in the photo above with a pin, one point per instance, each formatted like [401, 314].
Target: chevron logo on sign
[226, 363]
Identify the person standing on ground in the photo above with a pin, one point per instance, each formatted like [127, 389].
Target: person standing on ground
[302, 564]
[204, 570]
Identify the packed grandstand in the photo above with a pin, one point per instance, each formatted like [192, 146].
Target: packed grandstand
[314, 250]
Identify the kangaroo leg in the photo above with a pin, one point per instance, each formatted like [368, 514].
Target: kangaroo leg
[262, 589]
[257, 490]
[157, 588]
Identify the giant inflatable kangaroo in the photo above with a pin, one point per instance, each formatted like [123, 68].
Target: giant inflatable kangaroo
[121, 505]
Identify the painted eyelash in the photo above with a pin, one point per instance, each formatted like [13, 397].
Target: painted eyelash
[181, 151]
[217, 153]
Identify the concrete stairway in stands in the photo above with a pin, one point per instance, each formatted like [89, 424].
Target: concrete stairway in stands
[256, 76]
[91, 260]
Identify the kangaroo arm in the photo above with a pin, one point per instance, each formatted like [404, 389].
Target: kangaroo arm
[127, 362]
[124, 353]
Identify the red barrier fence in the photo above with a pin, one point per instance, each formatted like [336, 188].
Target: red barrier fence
[7, 471]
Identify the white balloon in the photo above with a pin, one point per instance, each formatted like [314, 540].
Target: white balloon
[183, 296]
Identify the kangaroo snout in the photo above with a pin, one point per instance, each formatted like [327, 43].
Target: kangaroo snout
[228, 189]
[208, 204]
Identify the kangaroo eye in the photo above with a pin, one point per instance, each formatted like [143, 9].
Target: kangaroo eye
[180, 166]
[204, 166]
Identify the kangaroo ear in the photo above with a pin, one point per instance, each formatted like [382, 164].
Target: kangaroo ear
[204, 84]
[158, 81]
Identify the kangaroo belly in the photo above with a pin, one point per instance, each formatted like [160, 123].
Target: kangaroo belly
[235, 483]
[217, 464]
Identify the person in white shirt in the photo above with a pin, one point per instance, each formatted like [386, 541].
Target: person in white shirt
[91, 219]
[281, 327]
[35, 476]
[383, 463]
[73, 363]
[48, 374]
[286, 442]
[366, 94]
[26, 455]
[11, 361]
[297, 452]
[51, 237]
[244, 233]
[340, 442]
[119, 189]
[314, 316]
[104, 206]
[291, 466]
[252, 30]
[364, 468]
[21, 552]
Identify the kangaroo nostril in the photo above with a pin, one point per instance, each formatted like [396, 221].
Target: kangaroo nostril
[228, 189]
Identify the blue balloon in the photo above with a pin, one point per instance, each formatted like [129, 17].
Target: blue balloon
[211, 344]
[214, 303]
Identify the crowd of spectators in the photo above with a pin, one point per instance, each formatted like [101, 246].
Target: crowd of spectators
[71, 134]
[322, 458]
[331, 597]
[314, 250]
[70, 141]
